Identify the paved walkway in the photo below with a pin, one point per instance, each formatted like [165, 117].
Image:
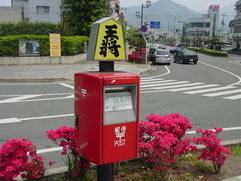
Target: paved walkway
[10, 73]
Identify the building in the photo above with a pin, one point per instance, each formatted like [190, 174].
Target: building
[40, 11]
[204, 27]
[51, 10]
[10, 14]
[235, 27]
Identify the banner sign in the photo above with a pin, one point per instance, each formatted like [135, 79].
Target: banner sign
[55, 46]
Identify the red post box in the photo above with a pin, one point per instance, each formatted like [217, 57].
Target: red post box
[107, 116]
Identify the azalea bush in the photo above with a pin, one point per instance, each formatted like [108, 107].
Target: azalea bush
[77, 165]
[18, 156]
[162, 140]
[214, 151]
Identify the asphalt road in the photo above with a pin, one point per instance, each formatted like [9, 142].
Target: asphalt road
[208, 93]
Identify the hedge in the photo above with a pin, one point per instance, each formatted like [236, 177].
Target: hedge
[70, 45]
[209, 52]
[29, 28]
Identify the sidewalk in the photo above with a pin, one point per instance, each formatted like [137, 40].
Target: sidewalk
[60, 72]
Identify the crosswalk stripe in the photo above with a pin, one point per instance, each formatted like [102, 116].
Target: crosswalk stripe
[222, 93]
[209, 90]
[145, 80]
[190, 88]
[161, 81]
[173, 86]
[212, 90]
[170, 83]
[233, 97]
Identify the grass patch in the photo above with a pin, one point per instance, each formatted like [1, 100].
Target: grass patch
[236, 150]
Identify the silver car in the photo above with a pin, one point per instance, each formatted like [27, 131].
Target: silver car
[162, 57]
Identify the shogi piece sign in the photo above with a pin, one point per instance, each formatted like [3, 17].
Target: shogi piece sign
[55, 45]
[106, 41]
[107, 116]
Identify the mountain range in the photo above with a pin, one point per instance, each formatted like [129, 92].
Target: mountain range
[169, 13]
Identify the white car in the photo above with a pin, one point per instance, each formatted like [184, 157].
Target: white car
[162, 57]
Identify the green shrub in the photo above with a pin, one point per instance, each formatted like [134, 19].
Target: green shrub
[28, 28]
[69, 45]
[8, 46]
[209, 51]
[73, 45]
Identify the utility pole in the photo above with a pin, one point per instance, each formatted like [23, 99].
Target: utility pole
[174, 28]
[22, 12]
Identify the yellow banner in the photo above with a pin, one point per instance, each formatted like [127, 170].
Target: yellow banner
[55, 45]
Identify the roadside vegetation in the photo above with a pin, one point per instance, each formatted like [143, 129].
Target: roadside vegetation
[165, 153]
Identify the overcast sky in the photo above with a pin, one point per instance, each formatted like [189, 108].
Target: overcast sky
[196, 5]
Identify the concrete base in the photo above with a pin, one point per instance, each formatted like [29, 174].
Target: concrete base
[41, 60]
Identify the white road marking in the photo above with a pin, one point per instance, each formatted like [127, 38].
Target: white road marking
[171, 83]
[67, 85]
[19, 98]
[151, 86]
[46, 117]
[47, 150]
[222, 93]
[233, 97]
[191, 88]
[168, 71]
[209, 90]
[172, 86]
[146, 80]
[224, 71]
[224, 129]
[26, 98]
[19, 120]
[9, 120]
[69, 97]
[154, 82]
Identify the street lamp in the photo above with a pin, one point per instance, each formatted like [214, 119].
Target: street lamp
[148, 4]
[183, 30]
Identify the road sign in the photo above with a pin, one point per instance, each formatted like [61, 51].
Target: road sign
[143, 28]
[155, 24]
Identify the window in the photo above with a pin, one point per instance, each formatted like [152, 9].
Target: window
[197, 24]
[237, 29]
[42, 9]
[207, 24]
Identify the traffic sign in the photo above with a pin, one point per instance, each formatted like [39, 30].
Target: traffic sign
[143, 28]
[155, 24]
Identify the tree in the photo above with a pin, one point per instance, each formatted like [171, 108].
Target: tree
[80, 14]
[134, 37]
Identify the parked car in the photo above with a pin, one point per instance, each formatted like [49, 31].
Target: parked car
[162, 57]
[174, 51]
[185, 56]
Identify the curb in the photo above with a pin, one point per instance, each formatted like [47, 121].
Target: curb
[36, 80]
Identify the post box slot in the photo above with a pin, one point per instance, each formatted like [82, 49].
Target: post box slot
[119, 104]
